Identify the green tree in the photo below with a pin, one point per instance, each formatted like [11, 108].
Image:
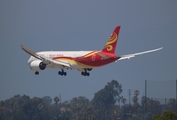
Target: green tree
[1, 109]
[79, 107]
[167, 115]
[150, 106]
[47, 100]
[105, 99]
[171, 104]
[56, 99]
[20, 116]
[35, 109]
[123, 100]
[135, 98]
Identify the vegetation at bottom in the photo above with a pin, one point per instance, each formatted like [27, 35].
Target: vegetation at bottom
[107, 104]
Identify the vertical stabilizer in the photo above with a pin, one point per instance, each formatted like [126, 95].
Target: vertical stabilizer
[110, 46]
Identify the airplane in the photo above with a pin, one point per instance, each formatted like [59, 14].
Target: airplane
[83, 61]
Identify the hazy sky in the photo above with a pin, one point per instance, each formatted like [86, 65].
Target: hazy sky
[86, 25]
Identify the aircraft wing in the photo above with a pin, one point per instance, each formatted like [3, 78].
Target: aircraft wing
[45, 59]
[135, 54]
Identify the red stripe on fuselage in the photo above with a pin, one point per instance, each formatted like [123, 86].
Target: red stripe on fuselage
[91, 61]
[96, 60]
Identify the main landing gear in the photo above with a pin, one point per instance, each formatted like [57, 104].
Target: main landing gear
[85, 73]
[62, 73]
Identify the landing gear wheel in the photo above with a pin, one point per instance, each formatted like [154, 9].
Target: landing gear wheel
[88, 74]
[36, 73]
[62, 73]
[59, 72]
[82, 73]
[85, 73]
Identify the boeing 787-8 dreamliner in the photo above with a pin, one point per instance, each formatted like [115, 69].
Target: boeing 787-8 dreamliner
[83, 61]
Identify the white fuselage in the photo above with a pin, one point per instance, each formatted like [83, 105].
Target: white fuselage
[58, 54]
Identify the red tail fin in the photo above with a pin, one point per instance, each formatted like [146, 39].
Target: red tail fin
[111, 44]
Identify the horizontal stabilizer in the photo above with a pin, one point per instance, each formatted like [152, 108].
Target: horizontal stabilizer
[103, 56]
[140, 53]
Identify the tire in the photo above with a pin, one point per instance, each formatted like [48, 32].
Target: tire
[36, 73]
[64, 73]
[88, 74]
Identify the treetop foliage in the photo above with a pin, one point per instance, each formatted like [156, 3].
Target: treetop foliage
[105, 105]
[167, 115]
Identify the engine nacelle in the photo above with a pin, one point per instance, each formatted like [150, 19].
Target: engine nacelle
[37, 65]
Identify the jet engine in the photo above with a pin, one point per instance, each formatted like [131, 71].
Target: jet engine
[37, 65]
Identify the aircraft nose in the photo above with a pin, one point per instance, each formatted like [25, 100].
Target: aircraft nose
[28, 61]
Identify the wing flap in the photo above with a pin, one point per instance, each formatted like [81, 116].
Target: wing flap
[59, 62]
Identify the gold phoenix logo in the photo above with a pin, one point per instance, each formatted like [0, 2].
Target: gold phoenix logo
[111, 40]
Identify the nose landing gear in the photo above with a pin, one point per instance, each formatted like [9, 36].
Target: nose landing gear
[36, 73]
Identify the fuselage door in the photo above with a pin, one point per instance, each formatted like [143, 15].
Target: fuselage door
[93, 57]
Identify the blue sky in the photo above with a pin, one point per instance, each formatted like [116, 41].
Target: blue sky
[86, 25]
